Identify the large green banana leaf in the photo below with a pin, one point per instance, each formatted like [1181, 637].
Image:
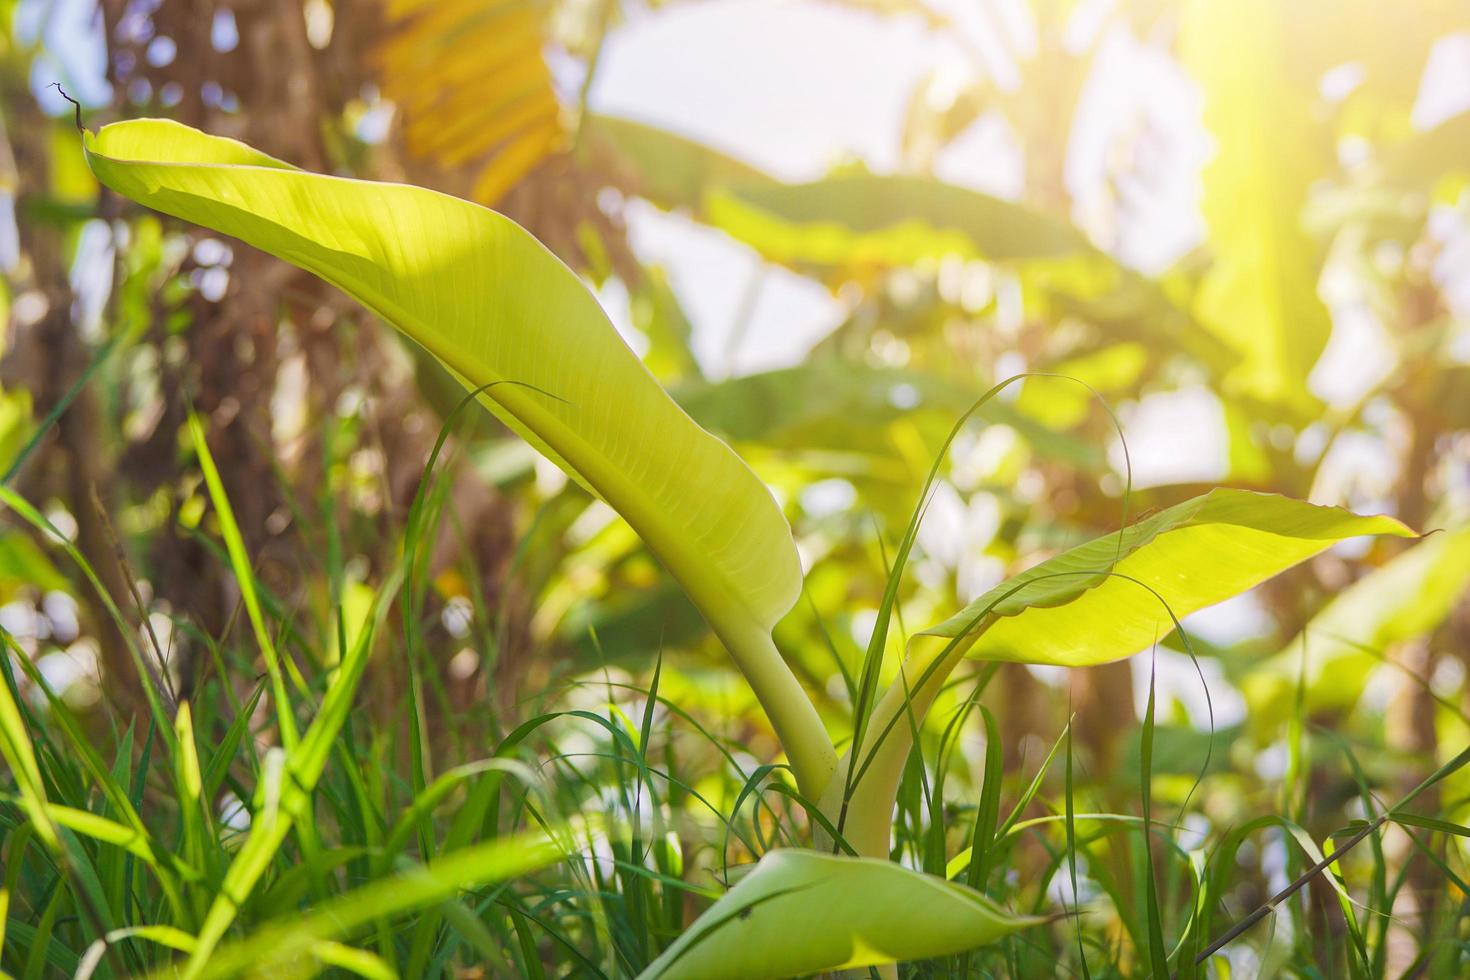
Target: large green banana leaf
[1089, 605]
[490, 302]
[802, 912]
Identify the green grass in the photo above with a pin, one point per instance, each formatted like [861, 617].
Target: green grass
[594, 824]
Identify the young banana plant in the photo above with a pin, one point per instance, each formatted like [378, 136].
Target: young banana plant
[488, 301]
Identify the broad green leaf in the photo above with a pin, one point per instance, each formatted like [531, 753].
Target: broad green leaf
[1260, 294]
[853, 219]
[802, 912]
[851, 223]
[491, 303]
[488, 300]
[1407, 597]
[1089, 605]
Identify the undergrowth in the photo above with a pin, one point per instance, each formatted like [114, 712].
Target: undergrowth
[579, 832]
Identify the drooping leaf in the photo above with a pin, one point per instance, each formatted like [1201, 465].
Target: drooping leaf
[485, 298]
[1405, 598]
[849, 223]
[853, 218]
[1086, 606]
[802, 912]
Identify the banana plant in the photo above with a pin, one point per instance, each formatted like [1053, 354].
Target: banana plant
[487, 300]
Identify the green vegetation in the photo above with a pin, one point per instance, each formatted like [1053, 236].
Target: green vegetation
[313, 667]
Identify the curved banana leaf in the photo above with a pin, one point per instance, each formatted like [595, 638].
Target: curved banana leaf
[857, 219]
[1407, 597]
[490, 302]
[802, 912]
[1086, 606]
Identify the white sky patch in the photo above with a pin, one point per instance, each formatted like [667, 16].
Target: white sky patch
[613, 297]
[986, 158]
[955, 533]
[9, 233]
[1445, 88]
[796, 87]
[827, 498]
[998, 34]
[710, 273]
[1238, 618]
[1177, 678]
[1138, 101]
[91, 278]
[1174, 437]
[73, 51]
[1358, 356]
[1450, 227]
[1358, 472]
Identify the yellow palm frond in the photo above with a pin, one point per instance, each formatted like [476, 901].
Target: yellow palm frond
[472, 87]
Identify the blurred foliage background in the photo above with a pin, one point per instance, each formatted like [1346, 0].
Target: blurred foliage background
[827, 227]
